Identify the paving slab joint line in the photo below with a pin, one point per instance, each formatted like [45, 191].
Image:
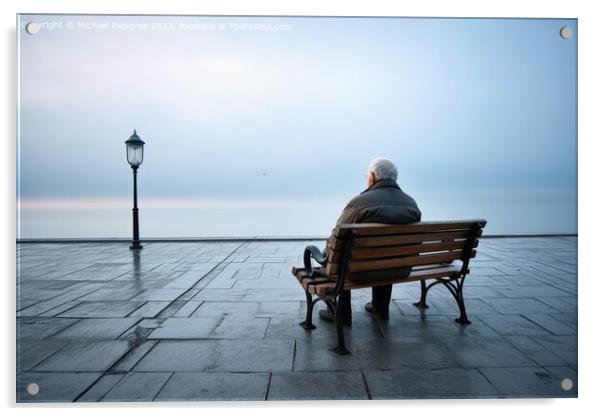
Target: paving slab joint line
[499, 393]
[294, 354]
[129, 315]
[217, 324]
[75, 321]
[556, 286]
[137, 335]
[221, 264]
[266, 332]
[54, 353]
[267, 390]
[163, 386]
[106, 372]
[138, 341]
[366, 385]
[542, 327]
[57, 306]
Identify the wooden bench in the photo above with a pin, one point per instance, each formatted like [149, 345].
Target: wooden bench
[438, 251]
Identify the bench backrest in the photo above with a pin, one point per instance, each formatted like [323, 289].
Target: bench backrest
[370, 247]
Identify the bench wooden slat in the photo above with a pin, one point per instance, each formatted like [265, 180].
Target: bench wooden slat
[367, 265]
[393, 240]
[307, 281]
[400, 239]
[398, 250]
[420, 227]
[418, 273]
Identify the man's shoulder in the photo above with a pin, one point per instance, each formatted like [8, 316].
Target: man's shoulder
[356, 199]
[382, 196]
[386, 203]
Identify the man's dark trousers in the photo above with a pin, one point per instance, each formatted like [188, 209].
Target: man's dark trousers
[381, 297]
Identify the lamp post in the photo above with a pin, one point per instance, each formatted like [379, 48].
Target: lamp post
[135, 152]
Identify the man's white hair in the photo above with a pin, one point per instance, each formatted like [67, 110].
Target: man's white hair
[383, 169]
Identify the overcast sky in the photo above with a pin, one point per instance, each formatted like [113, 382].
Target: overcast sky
[299, 110]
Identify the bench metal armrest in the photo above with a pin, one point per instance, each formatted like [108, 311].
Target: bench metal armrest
[315, 253]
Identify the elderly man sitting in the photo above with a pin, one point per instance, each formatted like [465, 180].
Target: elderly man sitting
[383, 202]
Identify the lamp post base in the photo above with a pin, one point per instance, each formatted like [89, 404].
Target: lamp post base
[136, 246]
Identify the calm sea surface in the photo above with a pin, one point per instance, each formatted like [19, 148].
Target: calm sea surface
[231, 217]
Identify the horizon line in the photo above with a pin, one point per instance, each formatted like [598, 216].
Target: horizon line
[238, 238]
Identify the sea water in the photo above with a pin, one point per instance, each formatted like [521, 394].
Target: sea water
[268, 217]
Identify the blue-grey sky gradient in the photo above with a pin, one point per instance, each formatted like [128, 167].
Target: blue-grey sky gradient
[486, 105]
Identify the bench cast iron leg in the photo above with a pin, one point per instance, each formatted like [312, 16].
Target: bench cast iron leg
[340, 348]
[457, 292]
[463, 319]
[422, 303]
[307, 324]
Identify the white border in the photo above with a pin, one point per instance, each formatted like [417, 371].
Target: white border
[590, 68]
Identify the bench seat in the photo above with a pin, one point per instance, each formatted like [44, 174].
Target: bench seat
[321, 285]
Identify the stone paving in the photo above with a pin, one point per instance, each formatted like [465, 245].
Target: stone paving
[219, 321]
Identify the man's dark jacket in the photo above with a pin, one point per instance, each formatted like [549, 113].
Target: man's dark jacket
[385, 203]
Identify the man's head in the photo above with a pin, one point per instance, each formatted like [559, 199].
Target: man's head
[379, 169]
